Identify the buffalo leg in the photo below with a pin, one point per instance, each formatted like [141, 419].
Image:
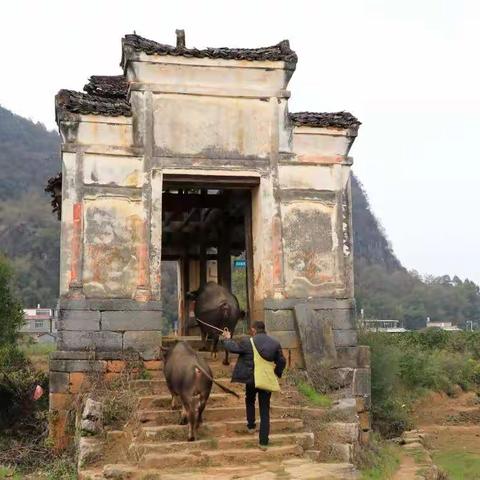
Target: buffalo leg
[214, 347]
[192, 420]
[184, 415]
[204, 347]
[201, 407]
[174, 405]
[225, 360]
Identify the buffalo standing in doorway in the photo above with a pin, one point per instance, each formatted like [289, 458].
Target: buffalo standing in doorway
[217, 306]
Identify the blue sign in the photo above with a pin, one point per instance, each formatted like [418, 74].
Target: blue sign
[239, 263]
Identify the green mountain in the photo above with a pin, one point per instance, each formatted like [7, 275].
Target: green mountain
[29, 237]
[29, 153]
[29, 233]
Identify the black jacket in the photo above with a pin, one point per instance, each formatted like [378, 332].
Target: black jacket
[267, 347]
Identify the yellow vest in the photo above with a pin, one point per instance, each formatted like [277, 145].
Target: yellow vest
[264, 372]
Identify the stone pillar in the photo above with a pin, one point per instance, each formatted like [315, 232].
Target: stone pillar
[109, 305]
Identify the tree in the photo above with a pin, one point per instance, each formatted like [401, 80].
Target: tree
[11, 314]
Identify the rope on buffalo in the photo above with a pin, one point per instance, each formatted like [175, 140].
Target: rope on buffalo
[213, 326]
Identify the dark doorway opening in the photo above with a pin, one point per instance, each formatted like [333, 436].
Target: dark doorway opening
[206, 230]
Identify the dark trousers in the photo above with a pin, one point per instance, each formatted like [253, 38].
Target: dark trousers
[264, 406]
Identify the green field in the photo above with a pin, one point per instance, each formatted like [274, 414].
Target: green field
[460, 465]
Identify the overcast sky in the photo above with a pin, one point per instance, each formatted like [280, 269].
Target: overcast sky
[408, 69]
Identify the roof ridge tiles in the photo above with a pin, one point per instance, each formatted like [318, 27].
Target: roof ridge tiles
[88, 104]
[109, 86]
[279, 52]
[341, 119]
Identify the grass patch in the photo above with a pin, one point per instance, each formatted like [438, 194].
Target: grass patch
[38, 349]
[317, 399]
[419, 455]
[6, 473]
[378, 460]
[459, 465]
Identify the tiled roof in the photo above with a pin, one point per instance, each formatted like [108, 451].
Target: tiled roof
[110, 86]
[86, 104]
[279, 52]
[323, 119]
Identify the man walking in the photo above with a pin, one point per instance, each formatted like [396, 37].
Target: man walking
[270, 350]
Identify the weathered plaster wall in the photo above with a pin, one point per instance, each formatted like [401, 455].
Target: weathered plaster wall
[113, 234]
[211, 126]
[113, 170]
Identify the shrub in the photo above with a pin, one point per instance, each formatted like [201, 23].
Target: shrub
[405, 366]
[17, 383]
[11, 314]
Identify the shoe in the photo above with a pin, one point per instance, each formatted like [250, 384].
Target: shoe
[251, 430]
[263, 448]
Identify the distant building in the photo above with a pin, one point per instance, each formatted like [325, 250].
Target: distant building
[443, 326]
[39, 324]
[389, 326]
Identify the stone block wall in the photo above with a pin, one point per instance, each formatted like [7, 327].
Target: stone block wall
[74, 373]
[116, 326]
[321, 337]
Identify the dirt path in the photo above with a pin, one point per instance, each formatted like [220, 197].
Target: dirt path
[407, 469]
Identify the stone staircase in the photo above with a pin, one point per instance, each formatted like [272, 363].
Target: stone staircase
[154, 446]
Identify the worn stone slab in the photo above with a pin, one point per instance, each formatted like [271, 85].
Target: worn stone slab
[78, 365]
[364, 421]
[343, 377]
[131, 320]
[294, 357]
[362, 383]
[345, 338]
[287, 339]
[342, 318]
[59, 382]
[79, 320]
[90, 449]
[117, 355]
[317, 340]
[108, 304]
[317, 303]
[279, 320]
[347, 406]
[345, 431]
[347, 357]
[147, 344]
[104, 341]
[363, 356]
[69, 355]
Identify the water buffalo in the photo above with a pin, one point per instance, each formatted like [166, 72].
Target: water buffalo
[217, 306]
[189, 378]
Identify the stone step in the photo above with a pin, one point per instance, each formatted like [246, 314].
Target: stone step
[304, 439]
[293, 469]
[153, 402]
[215, 414]
[217, 429]
[219, 457]
[159, 386]
[195, 341]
